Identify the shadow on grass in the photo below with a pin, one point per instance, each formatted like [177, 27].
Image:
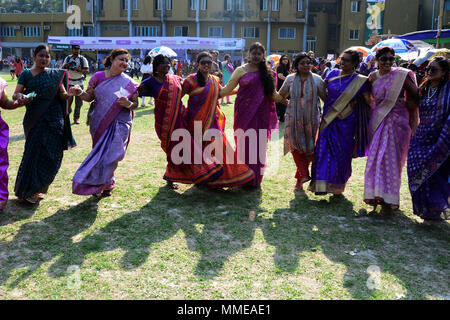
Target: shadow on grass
[144, 111]
[17, 210]
[38, 242]
[166, 214]
[411, 252]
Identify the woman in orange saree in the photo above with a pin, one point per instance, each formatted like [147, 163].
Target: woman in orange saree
[204, 112]
[169, 120]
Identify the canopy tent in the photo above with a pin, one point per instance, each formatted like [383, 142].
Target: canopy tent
[184, 43]
[427, 36]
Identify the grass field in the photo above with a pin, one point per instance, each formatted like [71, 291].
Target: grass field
[149, 242]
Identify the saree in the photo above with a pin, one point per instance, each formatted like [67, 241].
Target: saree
[389, 136]
[169, 119]
[4, 140]
[203, 107]
[227, 71]
[110, 128]
[428, 158]
[344, 122]
[47, 132]
[254, 116]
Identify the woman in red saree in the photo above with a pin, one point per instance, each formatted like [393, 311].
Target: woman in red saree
[203, 108]
[169, 121]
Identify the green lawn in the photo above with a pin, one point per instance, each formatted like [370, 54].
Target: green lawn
[149, 242]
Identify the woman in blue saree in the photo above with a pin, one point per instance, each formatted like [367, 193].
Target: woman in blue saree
[428, 156]
[116, 97]
[343, 129]
[46, 124]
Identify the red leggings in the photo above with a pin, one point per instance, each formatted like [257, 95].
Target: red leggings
[302, 162]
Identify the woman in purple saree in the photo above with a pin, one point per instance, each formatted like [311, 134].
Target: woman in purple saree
[428, 156]
[393, 120]
[343, 129]
[5, 103]
[255, 114]
[110, 126]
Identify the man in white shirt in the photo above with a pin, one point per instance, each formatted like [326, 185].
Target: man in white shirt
[78, 67]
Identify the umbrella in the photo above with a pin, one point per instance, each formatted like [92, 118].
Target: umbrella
[364, 50]
[162, 50]
[274, 59]
[399, 45]
[428, 55]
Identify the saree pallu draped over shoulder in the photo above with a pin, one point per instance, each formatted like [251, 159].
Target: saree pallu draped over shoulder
[47, 132]
[342, 135]
[428, 158]
[169, 119]
[389, 134]
[110, 128]
[4, 161]
[254, 116]
[204, 110]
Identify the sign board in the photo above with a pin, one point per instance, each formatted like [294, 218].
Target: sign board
[374, 21]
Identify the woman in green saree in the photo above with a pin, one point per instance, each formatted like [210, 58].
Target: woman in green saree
[46, 125]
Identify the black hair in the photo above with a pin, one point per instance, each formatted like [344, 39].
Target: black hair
[38, 49]
[299, 57]
[383, 50]
[147, 60]
[225, 57]
[444, 64]
[200, 78]
[288, 66]
[265, 72]
[158, 60]
[115, 53]
[355, 56]
[328, 64]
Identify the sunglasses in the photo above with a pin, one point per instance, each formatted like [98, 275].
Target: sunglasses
[432, 69]
[385, 59]
[206, 62]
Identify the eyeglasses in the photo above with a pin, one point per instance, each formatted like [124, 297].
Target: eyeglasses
[206, 62]
[385, 59]
[432, 69]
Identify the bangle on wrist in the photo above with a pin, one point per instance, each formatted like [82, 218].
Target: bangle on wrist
[131, 103]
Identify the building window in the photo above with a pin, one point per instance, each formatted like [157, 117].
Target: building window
[312, 20]
[180, 31]
[228, 5]
[193, 4]
[134, 5]
[354, 34]
[74, 32]
[159, 4]
[355, 6]
[32, 31]
[275, 5]
[263, 5]
[215, 32]
[311, 43]
[7, 31]
[251, 32]
[286, 33]
[300, 5]
[102, 5]
[447, 5]
[147, 31]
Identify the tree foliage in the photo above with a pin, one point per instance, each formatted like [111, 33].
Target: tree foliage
[31, 6]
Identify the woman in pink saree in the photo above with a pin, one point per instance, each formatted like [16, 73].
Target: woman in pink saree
[255, 115]
[116, 97]
[393, 119]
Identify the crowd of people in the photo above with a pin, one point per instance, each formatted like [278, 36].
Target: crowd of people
[370, 109]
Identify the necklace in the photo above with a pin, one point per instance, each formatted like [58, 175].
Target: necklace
[431, 94]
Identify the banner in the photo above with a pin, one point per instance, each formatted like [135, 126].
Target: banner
[147, 43]
[374, 21]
